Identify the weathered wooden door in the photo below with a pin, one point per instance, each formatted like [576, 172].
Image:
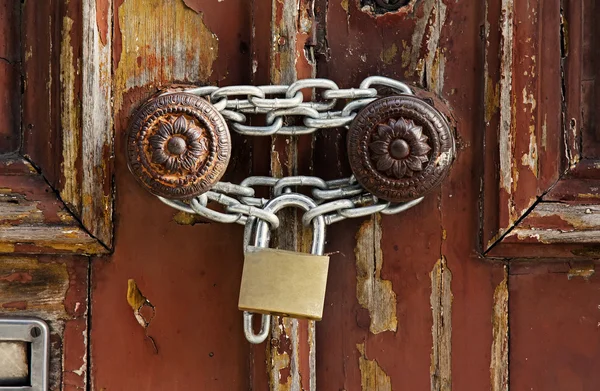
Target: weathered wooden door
[487, 282]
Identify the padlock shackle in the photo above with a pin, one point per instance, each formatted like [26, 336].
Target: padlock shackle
[263, 236]
[265, 328]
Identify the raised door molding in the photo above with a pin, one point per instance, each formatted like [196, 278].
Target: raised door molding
[541, 187]
[56, 191]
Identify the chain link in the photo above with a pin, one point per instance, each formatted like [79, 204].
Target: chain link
[280, 103]
[336, 200]
[331, 201]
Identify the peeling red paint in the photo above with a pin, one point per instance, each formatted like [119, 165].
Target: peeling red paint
[15, 305]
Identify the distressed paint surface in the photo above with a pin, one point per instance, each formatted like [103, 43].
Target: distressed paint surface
[183, 52]
[373, 378]
[51, 58]
[97, 132]
[70, 117]
[374, 293]
[499, 364]
[441, 307]
[153, 44]
[291, 355]
[32, 220]
[54, 289]
[524, 68]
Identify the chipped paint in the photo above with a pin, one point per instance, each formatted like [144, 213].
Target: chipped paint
[374, 293]
[184, 218]
[6, 248]
[499, 356]
[143, 310]
[69, 118]
[38, 286]
[530, 159]
[577, 217]
[96, 122]
[506, 115]
[427, 29]
[372, 376]
[571, 143]
[281, 376]
[389, 54]
[545, 131]
[151, 52]
[441, 308]
[581, 271]
[344, 5]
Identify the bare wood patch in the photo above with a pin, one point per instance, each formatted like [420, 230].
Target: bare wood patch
[150, 53]
[374, 293]
[372, 376]
[69, 120]
[441, 307]
[97, 125]
[33, 221]
[499, 361]
[430, 66]
[506, 136]
[143, 310]
[585, 271]
[559, 222]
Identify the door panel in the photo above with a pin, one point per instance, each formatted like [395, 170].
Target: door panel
[554, 328]
[451, 294]
[187, 269]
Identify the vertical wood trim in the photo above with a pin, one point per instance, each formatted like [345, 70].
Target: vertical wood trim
[97, 123]
[292, 359]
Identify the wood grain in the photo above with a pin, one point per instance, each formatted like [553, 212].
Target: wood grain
[33, 220]
[55, 290]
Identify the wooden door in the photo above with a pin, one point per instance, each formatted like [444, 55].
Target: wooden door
[489, 282]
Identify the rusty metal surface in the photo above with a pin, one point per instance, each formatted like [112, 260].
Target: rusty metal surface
[178, 145]
[400, 148]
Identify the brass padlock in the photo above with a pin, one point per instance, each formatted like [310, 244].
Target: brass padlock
[279, 282]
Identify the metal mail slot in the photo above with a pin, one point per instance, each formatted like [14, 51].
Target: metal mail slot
[25, 339]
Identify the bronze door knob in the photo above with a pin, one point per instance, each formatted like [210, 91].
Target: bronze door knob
[400, 148]
[178, 145]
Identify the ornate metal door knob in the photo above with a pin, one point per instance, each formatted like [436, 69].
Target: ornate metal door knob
[178, 145]
[400, 148]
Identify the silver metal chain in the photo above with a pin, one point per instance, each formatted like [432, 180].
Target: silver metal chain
[280, 103]
[329, 201]
[336, 200]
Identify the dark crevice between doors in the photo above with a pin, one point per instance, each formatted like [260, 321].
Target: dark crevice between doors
[88, 373]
